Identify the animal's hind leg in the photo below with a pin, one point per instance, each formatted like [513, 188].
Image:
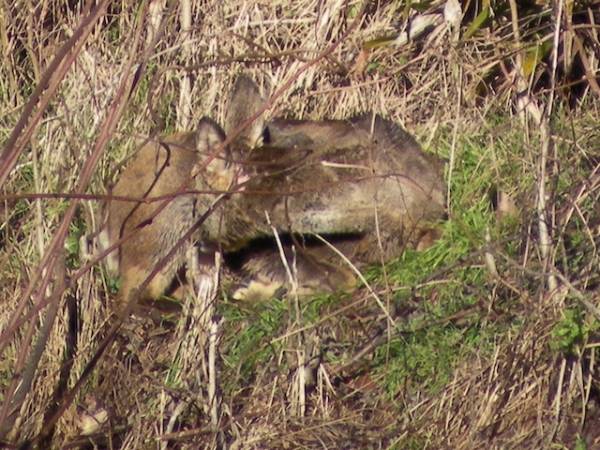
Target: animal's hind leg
[313, 271]
[132, 279]
[387, 244]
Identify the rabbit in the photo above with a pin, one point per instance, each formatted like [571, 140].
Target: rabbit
[159, 169]
[364, 181]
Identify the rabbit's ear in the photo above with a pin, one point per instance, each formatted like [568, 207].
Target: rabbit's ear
[208, 135]
[215, 161]
[244, 102]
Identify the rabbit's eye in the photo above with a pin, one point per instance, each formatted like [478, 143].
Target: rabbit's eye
[228, 160]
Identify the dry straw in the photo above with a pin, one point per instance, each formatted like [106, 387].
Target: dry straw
[81, 86]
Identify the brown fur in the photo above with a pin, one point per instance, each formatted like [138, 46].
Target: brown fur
[314, 271]
[365, 180]
[159, 169]
[365, 176]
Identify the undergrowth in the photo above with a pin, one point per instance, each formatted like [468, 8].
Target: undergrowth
[486, 339]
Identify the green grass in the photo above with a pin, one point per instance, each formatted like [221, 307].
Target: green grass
[449, 280]
[426, 349]
[247, 347]
[429, 347]
[573, 331]
[250, 345]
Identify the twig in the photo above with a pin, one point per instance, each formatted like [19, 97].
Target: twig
[109, 125]
[126, 86]
[213, 394]
[298, 387]
[46, 89]
[545, 239]
[184, 114]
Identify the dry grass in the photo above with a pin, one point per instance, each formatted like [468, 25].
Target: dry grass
[321, 375]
